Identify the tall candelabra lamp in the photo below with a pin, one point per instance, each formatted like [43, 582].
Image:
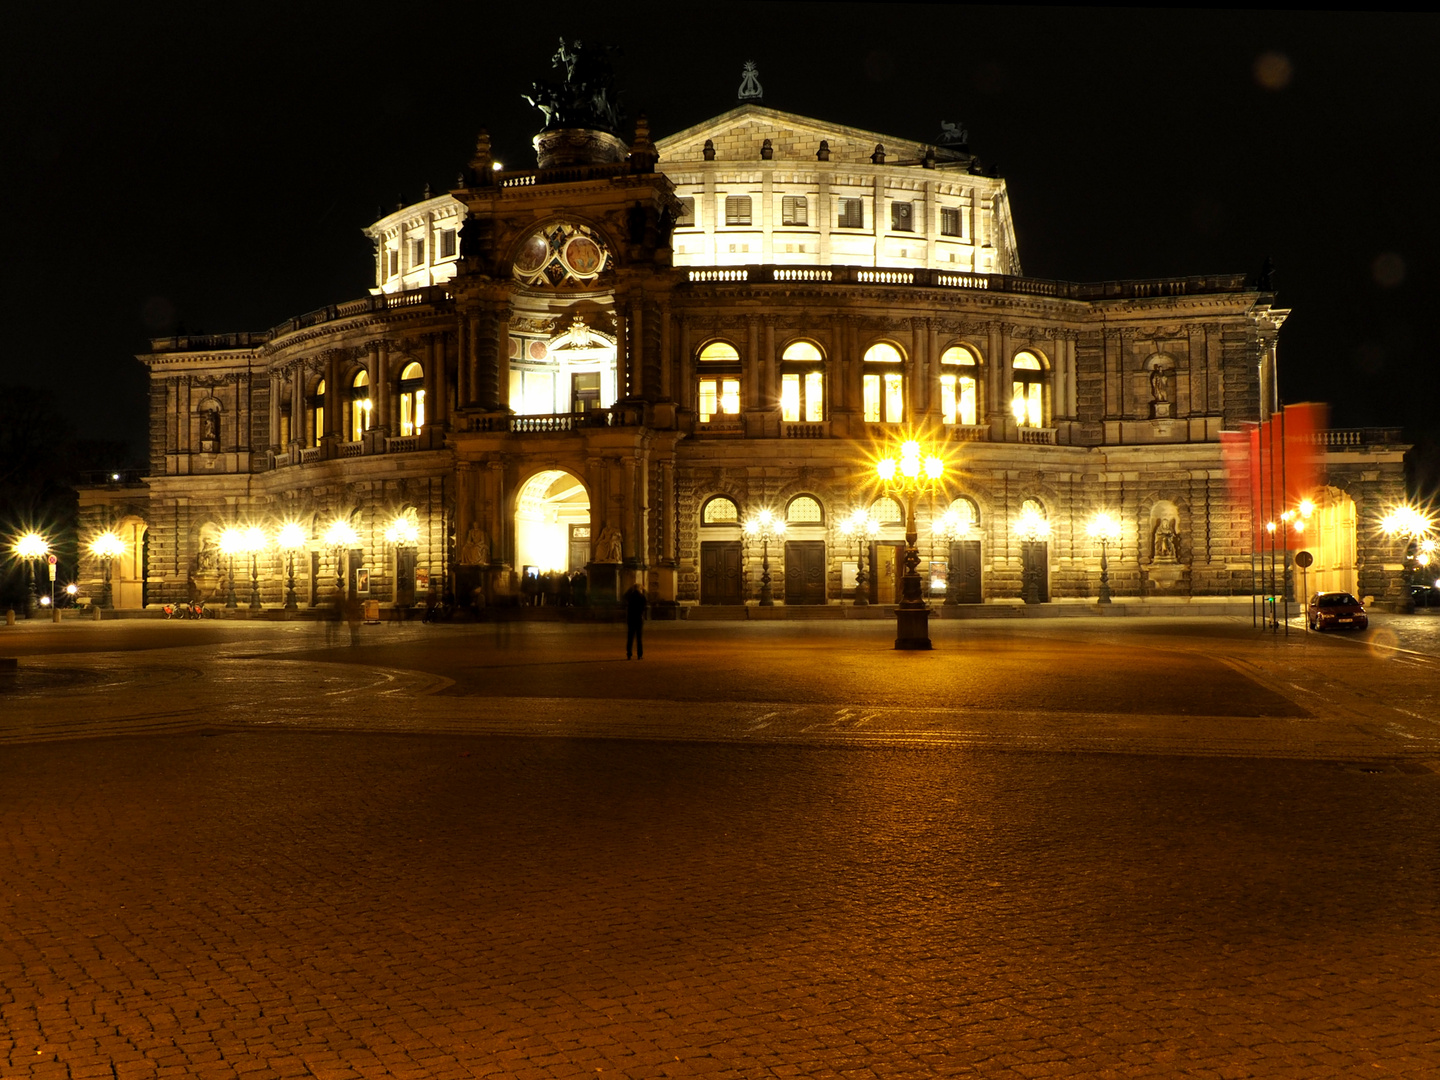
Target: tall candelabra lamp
[907, 473]
[766, 525]
[1104, 530]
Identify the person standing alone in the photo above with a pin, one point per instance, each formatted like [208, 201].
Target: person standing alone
[636, 607]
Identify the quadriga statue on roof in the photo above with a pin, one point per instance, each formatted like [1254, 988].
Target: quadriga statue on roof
[584, 98]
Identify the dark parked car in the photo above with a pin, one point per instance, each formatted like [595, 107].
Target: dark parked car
[1329, 610]
[1425, 595]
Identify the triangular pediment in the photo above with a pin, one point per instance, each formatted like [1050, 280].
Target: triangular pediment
[739, 134]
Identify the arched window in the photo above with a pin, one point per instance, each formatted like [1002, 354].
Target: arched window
[959, 378]
[718, 382]
[957, 521]
[720, 511]
[887, 511]
[412, 399]
[317, 414]
[1027, 391]
[802, 384]
[804, 510]
[359, 404]
[883, 382]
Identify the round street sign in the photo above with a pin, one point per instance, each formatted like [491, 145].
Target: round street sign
[1303, 559]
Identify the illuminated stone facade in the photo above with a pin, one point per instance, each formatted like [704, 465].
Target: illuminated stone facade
[610, 363]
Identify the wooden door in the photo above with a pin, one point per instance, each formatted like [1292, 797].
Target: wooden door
[1035, 575]
[964, 581]
[579, 547]
[804, 571]
[721, 580]
[404, 576]
[887, 568]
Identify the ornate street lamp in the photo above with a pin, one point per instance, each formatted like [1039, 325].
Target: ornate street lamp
[907, 474]
[1413, 527]
[765, 525]
[341, 536]
[1106, 531]
[105, 547]
[1033, 529]
[291, 538]
[255, 542]
[862, 527]
[402, 532]
[951, 526]
[232, 543]
[30, 547]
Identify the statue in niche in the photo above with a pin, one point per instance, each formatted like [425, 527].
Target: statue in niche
[1159, 384]
[607, 548]
[1167, 540]
[476, 549]
[209, 430]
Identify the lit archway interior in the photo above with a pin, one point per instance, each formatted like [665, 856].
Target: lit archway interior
[552, 522]
[1330, 538]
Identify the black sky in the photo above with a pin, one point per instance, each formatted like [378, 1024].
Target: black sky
[209, 170]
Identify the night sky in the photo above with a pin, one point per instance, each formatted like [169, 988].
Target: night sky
[203, 170]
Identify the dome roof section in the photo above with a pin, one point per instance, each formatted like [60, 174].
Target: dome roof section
[417, 245]
[761, 186]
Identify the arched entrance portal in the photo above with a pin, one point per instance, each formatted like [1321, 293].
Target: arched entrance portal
[552, 523]
[127, 573]
[1330, 537]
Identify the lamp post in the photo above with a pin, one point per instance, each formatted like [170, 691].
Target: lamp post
[862, 527]
[255, 542]
[908, 473]
[232, 543]
[341, 536]
[765, 525]
[30, 547]
[1033, 529]
[1105, 530]
[291, 538]
[1414, 527]
[105, 547]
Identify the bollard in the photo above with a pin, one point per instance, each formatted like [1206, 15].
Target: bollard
[97, 611]
[55, 614]
[10, 616]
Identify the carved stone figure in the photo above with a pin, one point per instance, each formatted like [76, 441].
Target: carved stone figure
[1166, 539]
[1160, 384]
[210, 426]
[584, 98]
[607, 548]
[475, 551]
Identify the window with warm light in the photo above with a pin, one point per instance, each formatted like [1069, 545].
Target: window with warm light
[718, 384]
[317, 414]
[883, 385]
[802, 384]
[720, 511]
[360, 404]
[412, 399]
[1027, 391]
[804, 510]
[959, 402]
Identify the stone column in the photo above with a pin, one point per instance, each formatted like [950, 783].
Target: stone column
[297, 404]
[434, 380]
[334, 406]
[381, 388]
[997, 402]
[274, 412]
[752, 364]
[685, 365]
[622, 356]
[769, 381]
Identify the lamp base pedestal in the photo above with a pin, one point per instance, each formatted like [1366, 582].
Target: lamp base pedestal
[912, 627]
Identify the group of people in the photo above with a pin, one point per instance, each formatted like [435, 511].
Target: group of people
[554, 588]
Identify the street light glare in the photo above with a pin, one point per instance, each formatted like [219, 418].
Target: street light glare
[32, 546]
[292, 535]
[885, 468]
[107, 546]
[341, 534]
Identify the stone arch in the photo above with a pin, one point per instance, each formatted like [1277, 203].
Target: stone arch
[1333, 538]
[551, 514]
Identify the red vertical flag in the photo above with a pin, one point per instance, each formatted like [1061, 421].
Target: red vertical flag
[1274, 465]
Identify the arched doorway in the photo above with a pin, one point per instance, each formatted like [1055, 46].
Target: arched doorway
[552, 523]
[128, 571]
[1330, 537]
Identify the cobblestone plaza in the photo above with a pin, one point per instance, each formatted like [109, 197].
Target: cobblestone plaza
[1097, 848]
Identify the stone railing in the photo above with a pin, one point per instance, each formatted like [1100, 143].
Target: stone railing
[969, 432]
[922, 277]
[1037, 436]
[310, 456]
[437, 296]
[402, 445]
[1358, 438]
[351, 449]
[562, 174]
[805, 431]
[721, 427]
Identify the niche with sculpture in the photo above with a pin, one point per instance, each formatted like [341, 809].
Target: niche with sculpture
[1160, 373]
[209, 417]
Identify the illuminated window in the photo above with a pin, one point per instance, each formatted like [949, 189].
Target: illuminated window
[359, 404]
[720, 511]
[852, 214]
[392, 255]
[884, 390]
[902, 217]
[887, 511]
[1027, 391]
[687, 214]
[417, 253]
[958, 386]
[447, 244]
[317, 414]
[737, 210]
[538, 393]
[719, 382]
[412, 399]
[949, 221]
[794, 211]
[804, 510]
[802, 384]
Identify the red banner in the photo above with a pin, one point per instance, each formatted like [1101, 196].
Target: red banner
[1275, 465]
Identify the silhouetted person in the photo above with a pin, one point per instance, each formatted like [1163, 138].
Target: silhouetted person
[636, 607]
